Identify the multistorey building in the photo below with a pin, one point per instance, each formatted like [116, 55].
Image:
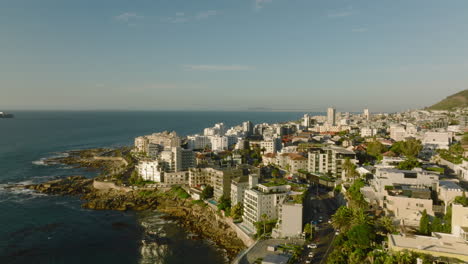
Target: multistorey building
[165, 139]
[219, 179]
[329, 160]
[263, 200]
[331, 116]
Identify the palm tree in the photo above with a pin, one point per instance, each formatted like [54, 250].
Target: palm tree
[386, 224]
[359, 217]
[342, 218]
[264, 219]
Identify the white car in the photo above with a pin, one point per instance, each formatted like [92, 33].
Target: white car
[308, 261]
[312, 246]
[311, 254]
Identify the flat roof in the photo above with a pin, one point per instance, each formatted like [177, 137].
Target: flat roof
[439, 242]
[276, 259]
[450, 185]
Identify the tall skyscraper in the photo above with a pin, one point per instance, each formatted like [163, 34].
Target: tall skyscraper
[331, 116]
[306, 120]
[366, 114]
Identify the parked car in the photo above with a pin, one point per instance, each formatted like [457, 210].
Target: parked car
[312, 245]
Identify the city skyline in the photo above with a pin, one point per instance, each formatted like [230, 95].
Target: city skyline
[267, 55]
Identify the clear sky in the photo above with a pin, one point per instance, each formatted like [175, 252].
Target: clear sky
[231, 54]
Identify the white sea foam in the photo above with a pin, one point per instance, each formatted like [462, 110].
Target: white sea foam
[40, 162]
[55, 155]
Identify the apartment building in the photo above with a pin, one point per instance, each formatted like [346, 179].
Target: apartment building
[290, 220]
[329, 160]
[263, 200]
[219, 178]
[149, 170]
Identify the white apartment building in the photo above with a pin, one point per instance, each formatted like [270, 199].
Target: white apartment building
[397, 133]
[164, 139]
[368, 132]
[290, 216]
[437, 140]
[198, 142]
[217, 130]
[149, 170]
[240, 185]
[366, 114]
[329, 160]
[177, 159]
[263, 200]
[219, 143]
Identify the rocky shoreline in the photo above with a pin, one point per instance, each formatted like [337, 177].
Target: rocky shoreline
[194, 216]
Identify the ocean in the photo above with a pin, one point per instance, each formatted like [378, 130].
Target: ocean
[36, 228]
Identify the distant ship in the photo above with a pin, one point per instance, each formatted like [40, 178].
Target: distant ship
[6, 115]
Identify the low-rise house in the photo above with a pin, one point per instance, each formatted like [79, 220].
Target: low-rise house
[438, 245]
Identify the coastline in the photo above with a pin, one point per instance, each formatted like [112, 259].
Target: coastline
[193, 216]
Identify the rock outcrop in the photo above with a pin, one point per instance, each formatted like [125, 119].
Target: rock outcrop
[195, 217]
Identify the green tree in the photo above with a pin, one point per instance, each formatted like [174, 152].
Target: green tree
[342, 218]
[375, 148]
[411, 147]
[386, 224]
[207, 192]
[361, 236]
[237, 211]
[409, 164]
[424, 224]
[349, 168]
[224, 203]
[308, 230]
[264, 218]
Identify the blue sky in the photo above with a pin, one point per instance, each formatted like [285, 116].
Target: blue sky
[231, 54]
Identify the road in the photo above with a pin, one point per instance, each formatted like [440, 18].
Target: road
[319, 208]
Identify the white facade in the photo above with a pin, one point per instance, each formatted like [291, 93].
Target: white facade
[149, 170]
[198, 142]
[331, 116]
[219, 143]
[368, 132]
[397, 133]
[437, 140]
[366, 114]
[263, 200]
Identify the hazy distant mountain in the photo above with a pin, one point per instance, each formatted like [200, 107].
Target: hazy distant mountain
[454, 101]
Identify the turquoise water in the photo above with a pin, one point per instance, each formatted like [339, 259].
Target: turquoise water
[51, 229]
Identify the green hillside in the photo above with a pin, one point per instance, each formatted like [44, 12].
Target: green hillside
[454, 101]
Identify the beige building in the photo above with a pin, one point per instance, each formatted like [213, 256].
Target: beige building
[176, 178]
[460, 221]
[220, 179]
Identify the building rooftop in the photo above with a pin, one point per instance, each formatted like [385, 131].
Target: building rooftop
[275, 259]
[450, 185]
[438, 242]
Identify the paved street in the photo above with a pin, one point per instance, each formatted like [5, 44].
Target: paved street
[318, 209]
